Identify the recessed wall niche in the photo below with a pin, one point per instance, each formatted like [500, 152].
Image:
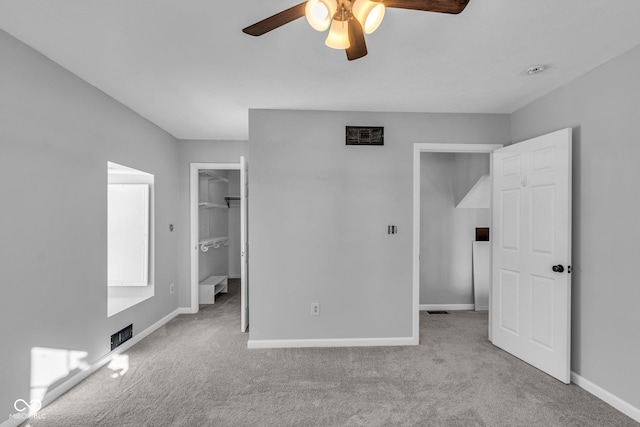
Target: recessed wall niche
[130, 237]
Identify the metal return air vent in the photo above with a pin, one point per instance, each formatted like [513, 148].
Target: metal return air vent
[361, 135]
[121, 336]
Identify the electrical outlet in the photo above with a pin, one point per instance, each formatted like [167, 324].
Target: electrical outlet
[172, 288]
[315, 309]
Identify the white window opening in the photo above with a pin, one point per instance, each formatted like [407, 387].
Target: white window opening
[130, 239]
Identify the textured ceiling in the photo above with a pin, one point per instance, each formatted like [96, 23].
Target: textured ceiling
[187, 67]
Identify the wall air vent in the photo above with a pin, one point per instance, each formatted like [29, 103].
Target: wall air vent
[121, 336]
[365, 135]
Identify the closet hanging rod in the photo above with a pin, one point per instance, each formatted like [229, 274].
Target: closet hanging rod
[214, 241]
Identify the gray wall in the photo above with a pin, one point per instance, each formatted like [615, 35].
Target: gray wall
[56, 135]
[196, 152]
[319, 214]
[447, 232]
[603, 108]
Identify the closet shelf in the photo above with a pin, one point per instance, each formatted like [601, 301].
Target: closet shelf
[212, 176]
[208, 205]
[205, 244]
[229, 199]
[210, 287]
[213, 280]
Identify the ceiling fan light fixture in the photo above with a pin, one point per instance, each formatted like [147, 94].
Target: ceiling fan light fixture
[349, 20]
[319, 13]
[338, 37]
[369, 14]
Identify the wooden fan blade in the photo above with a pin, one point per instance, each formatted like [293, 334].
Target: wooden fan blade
[275, 21]
[358, 47]
[442, 6]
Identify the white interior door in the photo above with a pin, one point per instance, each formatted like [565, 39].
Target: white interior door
[244, 245]
[531, 248]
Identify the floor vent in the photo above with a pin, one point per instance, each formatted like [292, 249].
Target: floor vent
[437, 312]
[121, 336]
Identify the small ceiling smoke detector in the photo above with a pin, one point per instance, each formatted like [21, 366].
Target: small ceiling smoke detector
[536, 69]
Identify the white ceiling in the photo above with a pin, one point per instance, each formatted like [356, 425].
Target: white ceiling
[186, 65]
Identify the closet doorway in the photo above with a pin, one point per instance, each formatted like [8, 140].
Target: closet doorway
[418, 149]
[455, 198]
[219, 232]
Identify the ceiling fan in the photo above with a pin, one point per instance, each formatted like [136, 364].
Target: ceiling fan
[349, 20]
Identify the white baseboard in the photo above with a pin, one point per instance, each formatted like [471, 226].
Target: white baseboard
[613, 400]
[80, 376]
[452, 307]
[234, 276]
[337, 342]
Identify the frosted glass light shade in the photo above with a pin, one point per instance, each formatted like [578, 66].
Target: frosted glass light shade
[338, 37]
[369, 14]
[319, 13]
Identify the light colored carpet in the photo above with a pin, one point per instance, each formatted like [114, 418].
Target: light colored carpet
[197, 371]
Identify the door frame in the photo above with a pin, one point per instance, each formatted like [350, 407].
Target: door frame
[194, 169]
[418, 149]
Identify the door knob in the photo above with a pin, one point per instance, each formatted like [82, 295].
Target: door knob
[558, 268]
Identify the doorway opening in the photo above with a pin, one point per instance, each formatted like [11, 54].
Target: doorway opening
[455, 202]
[218, 207]
[419, 205]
